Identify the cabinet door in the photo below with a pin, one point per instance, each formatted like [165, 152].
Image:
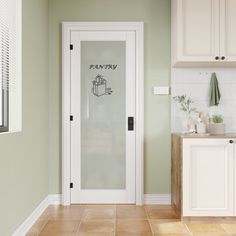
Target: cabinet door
[228, 30]
[197, 30]
[234, 177]
[208, 177]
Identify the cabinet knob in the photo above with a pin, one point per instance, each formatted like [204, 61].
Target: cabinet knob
[222, 58]
[231, 141]
[217, 58]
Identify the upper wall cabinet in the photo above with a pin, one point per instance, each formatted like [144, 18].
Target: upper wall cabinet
[228, 30]
[203, 32]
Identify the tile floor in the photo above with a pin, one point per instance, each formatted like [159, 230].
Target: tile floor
[121, 220]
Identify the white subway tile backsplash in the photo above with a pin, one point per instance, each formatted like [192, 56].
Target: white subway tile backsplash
[195, 90]
[228, 91]
[195, 82]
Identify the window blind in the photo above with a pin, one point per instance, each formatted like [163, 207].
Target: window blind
[8, 58]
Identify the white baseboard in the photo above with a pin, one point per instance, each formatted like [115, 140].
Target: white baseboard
[54, 199]
[157, 199]
[29, 222]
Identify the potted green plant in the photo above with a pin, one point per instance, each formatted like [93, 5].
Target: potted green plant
[217, 125]
[186, 106]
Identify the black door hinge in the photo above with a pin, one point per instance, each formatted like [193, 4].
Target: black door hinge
[71, 185]
[71, 118]
[71, 47]
[131, 123]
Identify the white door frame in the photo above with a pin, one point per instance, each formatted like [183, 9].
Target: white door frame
[68, 27]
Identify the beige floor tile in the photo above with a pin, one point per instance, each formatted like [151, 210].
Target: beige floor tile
[100, 206]
[94, 234]
[207, 228]
[160, 211]
[137, 227]
[32, 233]
[60, 228]
[161, 214]
[97, 226]
[37, 227]
[229, 228]
[73, 212]
[70, 213]
[168, 227]
[172, 235]
[158, 207]
[165, 220]
[99, 213]
[57, 234]
[50, 212]
[53, 208]
[210, 234]
[130, 212]
[134, 234]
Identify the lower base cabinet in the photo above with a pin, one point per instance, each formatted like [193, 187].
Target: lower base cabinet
[203, 176]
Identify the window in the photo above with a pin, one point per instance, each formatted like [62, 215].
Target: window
[10, 65]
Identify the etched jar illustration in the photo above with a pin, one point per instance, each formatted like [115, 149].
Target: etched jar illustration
[100, 86]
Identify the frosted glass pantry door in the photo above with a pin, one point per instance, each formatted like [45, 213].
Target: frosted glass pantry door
[103, 115]
[103, 109]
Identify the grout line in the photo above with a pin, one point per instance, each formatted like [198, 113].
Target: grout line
[43, 225]
[46, 222]
[77, 231]
[147, 215]
[224, 228]
[115, 220]
[188, 230]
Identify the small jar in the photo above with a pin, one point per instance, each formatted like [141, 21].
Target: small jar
[201, 128]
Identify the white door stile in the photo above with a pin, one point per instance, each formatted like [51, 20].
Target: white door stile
[76, 111]
[130, 112]
[66, 112]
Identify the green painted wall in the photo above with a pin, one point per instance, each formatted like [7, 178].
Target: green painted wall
[156, 15]
[28, 157]
[24, 172]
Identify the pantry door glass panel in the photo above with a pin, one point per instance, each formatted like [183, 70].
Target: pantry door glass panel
[103, 101]
[103, 115]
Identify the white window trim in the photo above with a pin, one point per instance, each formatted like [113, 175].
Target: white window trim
[15, 103]
[15, 88]
[138, 27]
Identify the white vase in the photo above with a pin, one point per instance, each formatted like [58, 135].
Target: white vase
[188, 125]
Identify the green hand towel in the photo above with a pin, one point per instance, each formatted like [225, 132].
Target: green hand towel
[214, 91]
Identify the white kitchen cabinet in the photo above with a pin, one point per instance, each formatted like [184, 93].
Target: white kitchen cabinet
[208, 172]
[203, 32]
[203, 176]
[228, 30]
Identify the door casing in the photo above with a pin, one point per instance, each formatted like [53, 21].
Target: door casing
[67, 28]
